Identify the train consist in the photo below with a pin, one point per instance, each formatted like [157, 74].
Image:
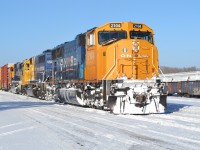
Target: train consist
[112, 67]
[183, 84]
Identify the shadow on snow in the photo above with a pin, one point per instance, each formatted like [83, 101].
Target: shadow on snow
[174, 107]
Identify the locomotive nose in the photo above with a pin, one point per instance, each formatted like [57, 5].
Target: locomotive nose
[135, 60]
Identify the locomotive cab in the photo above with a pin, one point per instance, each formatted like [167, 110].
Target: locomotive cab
[118, 50]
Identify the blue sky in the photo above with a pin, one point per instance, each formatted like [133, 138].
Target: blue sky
[28, 27]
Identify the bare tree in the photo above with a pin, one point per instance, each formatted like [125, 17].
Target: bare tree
[166, 69]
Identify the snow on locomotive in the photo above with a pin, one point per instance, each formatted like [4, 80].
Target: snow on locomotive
[114, 66]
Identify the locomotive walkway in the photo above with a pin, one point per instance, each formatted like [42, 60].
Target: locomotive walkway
[28, 123]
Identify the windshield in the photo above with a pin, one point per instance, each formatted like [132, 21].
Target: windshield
[105, 36]
[142, 35]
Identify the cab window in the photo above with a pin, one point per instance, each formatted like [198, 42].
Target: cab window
[148, 36]
[91, 39]
[106, 36]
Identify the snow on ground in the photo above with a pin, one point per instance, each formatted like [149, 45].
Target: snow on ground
[29, 123]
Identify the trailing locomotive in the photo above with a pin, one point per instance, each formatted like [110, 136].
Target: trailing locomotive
[14, 86]
[114, 66]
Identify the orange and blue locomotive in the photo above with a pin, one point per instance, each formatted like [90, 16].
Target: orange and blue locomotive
[119, 63]
[113, 66]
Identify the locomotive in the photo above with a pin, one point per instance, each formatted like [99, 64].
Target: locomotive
[112, 67]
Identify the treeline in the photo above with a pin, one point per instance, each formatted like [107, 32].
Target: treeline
[166, 70]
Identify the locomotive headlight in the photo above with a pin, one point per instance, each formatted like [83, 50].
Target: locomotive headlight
[135, 46]
[135, 49]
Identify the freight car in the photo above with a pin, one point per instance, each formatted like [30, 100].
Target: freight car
[7, 73]
[113, 66]
[190, 88]
[183, 84]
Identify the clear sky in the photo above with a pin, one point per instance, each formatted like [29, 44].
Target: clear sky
[28, 27]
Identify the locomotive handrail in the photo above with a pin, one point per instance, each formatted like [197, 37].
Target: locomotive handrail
[153, 60]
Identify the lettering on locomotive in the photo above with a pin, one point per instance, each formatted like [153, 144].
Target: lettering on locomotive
[130, 56]
[115, 25]
[139, 26]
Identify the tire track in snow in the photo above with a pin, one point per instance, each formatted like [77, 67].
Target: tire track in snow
[92, 131]
[126, 129]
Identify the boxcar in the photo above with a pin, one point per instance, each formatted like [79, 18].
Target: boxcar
[6, 76]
